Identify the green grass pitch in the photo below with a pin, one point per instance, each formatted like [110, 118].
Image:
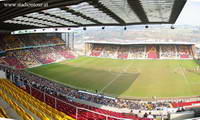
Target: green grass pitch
[126, 78]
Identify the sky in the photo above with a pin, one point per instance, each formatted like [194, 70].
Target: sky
[190, 15]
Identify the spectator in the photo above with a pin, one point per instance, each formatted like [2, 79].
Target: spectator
[140, 115]
[150, 116]
[145, 115]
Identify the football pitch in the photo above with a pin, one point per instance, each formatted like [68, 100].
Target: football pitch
[126, 78]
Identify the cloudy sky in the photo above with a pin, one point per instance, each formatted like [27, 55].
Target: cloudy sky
[190, 14]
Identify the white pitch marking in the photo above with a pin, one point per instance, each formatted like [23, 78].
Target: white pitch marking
[115, 78]
[185, 78]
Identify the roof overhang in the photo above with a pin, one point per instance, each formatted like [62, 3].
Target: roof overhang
[20, 14]
[140, 43]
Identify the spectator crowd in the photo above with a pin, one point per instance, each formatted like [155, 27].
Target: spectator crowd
[66, 92]
[16, 58]
[24, 51]
[141, 51]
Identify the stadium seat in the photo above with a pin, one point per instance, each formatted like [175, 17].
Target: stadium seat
[3, 113]
[26, 99]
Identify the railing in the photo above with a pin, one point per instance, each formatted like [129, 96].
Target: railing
[145, 99]
[78, 110]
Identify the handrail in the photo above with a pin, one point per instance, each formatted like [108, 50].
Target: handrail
[109, 116]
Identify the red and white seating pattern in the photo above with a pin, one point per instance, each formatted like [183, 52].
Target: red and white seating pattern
[123, 53]
[141, 51]
[152, 52]
[96, 51]
[184, 52]
[11, 60]
[168, 51]
[78, 110]
[30, 57]
[186, 104]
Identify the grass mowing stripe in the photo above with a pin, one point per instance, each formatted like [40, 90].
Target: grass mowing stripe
[185, 78]
[153, 77]
[55, 80]
[125, 69]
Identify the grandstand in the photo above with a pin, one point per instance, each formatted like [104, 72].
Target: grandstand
[23, 62]
[141, 50]
[40, 109]
[98, 60]
[25, 54]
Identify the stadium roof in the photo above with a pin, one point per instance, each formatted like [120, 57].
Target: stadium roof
[146, 42]
[23, 14]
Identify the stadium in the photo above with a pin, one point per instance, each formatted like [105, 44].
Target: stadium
[99, 60]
